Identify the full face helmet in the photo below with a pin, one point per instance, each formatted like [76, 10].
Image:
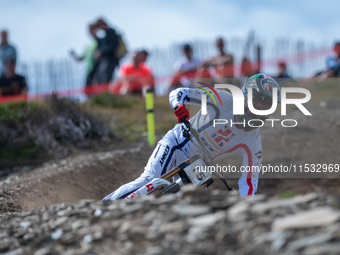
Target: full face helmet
[262, 88]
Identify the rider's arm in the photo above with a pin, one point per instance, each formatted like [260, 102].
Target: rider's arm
[185, 96]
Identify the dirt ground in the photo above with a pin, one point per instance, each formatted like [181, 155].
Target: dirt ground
[94, 175]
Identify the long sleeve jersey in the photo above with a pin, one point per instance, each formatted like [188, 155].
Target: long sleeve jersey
[224, 139]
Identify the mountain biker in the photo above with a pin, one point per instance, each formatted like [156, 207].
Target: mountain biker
[221, 140]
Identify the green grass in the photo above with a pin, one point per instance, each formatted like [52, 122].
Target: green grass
[21, 155]
[113, 101]
[287, 195]
[14, 112]
[17, 153]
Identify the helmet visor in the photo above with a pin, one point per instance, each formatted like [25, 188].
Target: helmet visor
[260, 105]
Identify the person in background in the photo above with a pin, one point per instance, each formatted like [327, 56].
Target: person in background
[185, 68]
[247, 68]
[333, 64]
[88, 56]
[6, 50]
[143, 56]
[333, 68]
[220, 67]
[11, 83]
[282, 70]
[135, 78]
[106, 53]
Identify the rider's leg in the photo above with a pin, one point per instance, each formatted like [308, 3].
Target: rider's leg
[125, 190]
[169, 152]
[248, 182]
[247, 186]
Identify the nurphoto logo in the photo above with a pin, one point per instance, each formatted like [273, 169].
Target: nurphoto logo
[238, 103]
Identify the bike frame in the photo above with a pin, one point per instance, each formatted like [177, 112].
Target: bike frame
[186, 172]
[206, 156]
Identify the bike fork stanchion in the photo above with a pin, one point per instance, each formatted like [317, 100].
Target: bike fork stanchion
[150, 120]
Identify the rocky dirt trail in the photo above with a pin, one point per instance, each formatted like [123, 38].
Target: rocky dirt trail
[197, 222]
[85, 176]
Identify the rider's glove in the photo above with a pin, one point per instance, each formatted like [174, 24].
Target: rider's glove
[182, 112]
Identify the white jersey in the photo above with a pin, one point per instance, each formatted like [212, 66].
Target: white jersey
[222, 140]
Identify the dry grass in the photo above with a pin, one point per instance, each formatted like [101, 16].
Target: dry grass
[129, 123]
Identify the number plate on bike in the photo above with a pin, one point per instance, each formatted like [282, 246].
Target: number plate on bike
[197, 172]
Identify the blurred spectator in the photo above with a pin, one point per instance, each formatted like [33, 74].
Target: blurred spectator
[10, 82]
[247, 68]
[106, 53]
[185, 68]
[143, 56]
[333, 63]
[135, 78]
[221, 66]
[6, 50]
[333, 66]
[88, 56]
[282, 70]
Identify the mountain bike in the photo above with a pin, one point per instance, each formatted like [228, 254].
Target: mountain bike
[195, 170]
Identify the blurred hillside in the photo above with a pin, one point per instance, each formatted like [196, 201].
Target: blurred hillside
[33, 132]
